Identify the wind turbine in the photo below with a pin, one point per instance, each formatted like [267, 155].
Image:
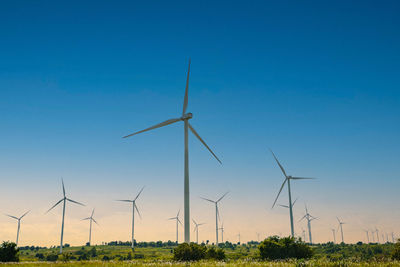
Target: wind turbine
[64, 200]
[286, 206]
[91, 219]
[377, 234]
[287, 179]
[19, 223]
[341, 227]
[258, 237]
[373, 236]
[334, 235]
[303, 234]
[216, 214]
[393, 237]
[222, 232]
[185, 118]
[134, 206]
[239, 237]
[366, 232]
[177, 221]
[309, 218]
[196, 229]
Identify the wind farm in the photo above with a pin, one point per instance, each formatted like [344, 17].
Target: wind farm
[232, 114]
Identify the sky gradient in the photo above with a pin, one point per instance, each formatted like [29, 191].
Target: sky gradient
[317, 82]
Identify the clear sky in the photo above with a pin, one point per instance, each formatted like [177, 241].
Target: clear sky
[316, 81]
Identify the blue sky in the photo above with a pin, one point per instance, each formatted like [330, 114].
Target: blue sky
[315, 81]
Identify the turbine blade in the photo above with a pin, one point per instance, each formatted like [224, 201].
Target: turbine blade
[54, 205]
[277, 161]
[185, 100]
[194, 221]
[92, 213]
[173, 218]
[167, 122]
[177, 215]
[338, 219]
[280, 190]
[76, 202]
[283, 206]
[88, 218]
[295, 201]
[219, 218]
[24, 214]
[138, 211]
[222, 197]
[208, 199]
[180, 222]
[302, 218]
[302, 178]
[95, 222]
[12, 216]
[204, 143]
[139, 193]
[62, 181]
[124, 200]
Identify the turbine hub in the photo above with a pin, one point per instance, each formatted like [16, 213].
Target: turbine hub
[187, 116]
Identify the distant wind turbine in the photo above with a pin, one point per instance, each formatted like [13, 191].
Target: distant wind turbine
[216, 214]
[288, 178]
[177, 221]
[185, 118]
[377, 234]
[239, 237]
[334, 235]
[134, 206]
[367, 233]
[222, 232]
[91, 219]
[341, 227]
[373, 236]
[64, 200]
[196, 229]
[19, 223]
[309, 218]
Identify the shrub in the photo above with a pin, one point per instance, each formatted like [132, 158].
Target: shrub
[189, 252]
[138, 256]
[52, 257]
[396, 251]
[9, 252]
[275, 248]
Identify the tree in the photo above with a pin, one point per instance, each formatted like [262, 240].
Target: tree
[9, 252]
[396, 251]
[189, 252]
[275, 248]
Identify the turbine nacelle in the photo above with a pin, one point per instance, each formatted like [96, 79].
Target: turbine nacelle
[187, 116]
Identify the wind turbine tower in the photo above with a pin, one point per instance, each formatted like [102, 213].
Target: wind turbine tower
[185, 117]
[177, 221]
[134, 206]
[341, 228]
[19, 223]
[64, 200]
[334, 235]
[91, 219]
[222, 232]
[366, 232]
[216, 214]
[288, 178]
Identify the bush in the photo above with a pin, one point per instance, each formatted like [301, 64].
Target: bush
[189, 252]
[275, 248]
[9, 252]
[52, 257]
[195, 252]
[396, 251]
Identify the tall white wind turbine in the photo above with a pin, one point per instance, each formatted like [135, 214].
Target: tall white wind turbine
[341, 227]
[185, 118]
[288, 178]
[64, 200]
[216, 214]
[91, 219]
[134, 206]
[19, 223]
[196, 229]
[177, 221]
[309, 218]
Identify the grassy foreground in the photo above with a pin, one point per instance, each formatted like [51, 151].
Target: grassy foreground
[243, 263]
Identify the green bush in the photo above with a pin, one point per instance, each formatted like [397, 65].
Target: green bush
[396, 251]
[9, 252]
[276, 248]
[195, 252]
[52, 257]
